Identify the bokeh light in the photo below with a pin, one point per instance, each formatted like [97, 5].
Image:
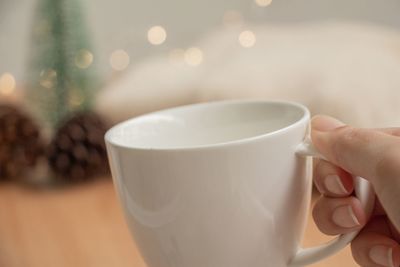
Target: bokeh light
[83, 59]
[119, 60]
[193, 56]
[7, 83]
[263, 3]
[156, 35]
[42, 28]
[247, 39]
[48, 78]
[75, 98]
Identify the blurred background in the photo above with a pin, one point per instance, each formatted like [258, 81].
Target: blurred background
[124, 24]
[71, 69]
[136, 47]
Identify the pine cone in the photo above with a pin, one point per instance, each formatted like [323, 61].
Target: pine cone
[21, 144]
[78, 151]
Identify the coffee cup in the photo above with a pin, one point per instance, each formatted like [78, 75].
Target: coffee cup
[220, 184]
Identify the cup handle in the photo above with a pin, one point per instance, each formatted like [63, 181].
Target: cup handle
[363, 191]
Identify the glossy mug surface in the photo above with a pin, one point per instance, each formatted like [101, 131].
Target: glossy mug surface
[215, 184]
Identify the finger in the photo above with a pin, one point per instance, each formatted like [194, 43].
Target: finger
[371, 154]
[395, 233]
[374, 246]
[338, 215]
[358, 151]
[378, 209]
[331, 180]
[392, 131]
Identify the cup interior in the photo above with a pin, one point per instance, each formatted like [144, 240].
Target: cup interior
[206, 124]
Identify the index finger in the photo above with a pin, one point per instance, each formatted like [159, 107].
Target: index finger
[372, 154]
[358, 151]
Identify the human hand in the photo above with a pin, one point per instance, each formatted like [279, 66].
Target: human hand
[373, 154]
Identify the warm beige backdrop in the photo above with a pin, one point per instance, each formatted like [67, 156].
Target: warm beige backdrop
[122, 24]
[79, 226]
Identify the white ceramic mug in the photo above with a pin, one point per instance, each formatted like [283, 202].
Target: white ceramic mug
[220, 184]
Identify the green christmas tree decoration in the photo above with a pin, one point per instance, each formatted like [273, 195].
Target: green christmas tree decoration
[61, 75]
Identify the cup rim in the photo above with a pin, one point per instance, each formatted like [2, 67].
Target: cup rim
[241, 141]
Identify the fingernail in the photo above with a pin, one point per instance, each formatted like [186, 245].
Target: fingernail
[334, 185]
[344, 216]
[325, 123]
[382, 255]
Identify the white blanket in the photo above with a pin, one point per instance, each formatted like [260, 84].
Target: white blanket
[350, 71]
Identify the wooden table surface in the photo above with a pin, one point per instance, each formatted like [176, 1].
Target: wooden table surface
[80, 226]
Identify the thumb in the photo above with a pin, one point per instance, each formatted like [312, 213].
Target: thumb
[371, 154]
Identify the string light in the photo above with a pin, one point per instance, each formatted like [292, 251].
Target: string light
[42, 28]
[83, 59]
[7, 84]
[119, 60]
[156, 35]
[177, 56]
[193, 56]
[232, 17]
[75, 98]
[48, 78]
[263, 3]
[247, 39]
